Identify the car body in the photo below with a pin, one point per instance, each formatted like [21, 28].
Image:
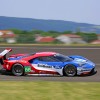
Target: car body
[46, 63]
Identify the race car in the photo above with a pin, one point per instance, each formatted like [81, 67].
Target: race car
[46, 63]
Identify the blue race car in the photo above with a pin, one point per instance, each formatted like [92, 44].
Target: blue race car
[46, 63]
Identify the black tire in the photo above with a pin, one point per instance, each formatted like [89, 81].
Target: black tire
[69, 70]
[18, 70]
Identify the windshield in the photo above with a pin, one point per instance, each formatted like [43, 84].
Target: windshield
[62, 58]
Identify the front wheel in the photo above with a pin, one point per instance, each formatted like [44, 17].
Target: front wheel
[69, 70]
[18, 70]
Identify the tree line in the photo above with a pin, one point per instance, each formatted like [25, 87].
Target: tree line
[29, 36]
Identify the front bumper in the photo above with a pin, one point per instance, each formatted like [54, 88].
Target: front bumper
[86, 70]
[92, 71]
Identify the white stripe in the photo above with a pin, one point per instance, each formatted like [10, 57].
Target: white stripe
[42, 68]
[42, 74]
[49, 48]
[98, 64]
[47, 69]
[73, 48]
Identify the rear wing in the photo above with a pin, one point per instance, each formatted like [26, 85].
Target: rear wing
[3, 55]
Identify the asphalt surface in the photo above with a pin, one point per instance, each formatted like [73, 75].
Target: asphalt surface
[91, 52]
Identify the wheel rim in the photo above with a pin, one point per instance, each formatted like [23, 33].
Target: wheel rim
[70, 70]
[18, 70]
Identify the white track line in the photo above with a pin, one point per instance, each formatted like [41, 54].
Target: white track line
[48, 48]
[98, 64]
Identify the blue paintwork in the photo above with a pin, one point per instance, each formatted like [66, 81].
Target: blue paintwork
[62, 64]
[15, 58]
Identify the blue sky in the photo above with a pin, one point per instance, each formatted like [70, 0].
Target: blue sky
[84, 11]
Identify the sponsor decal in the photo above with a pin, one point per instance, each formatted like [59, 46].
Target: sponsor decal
[44, 66]
[57, 67]
[27, 69]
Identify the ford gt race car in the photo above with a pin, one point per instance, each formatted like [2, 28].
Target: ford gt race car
[46, 63]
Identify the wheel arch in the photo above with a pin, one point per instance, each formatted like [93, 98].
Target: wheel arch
[14, 64]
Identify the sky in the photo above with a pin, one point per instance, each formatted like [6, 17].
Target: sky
[83, 11]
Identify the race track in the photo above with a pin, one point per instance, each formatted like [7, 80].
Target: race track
[92, 53]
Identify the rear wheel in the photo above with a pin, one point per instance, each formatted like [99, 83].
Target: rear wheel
[18, 70]
[69, 70]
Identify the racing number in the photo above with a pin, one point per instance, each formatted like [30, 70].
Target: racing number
[27, 69]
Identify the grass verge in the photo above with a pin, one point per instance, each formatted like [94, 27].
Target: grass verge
[43, 90]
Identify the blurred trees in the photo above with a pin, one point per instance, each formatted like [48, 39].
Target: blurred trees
[88, 37]
[29, 36]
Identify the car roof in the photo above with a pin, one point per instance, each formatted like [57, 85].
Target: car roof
[45, 53]
[39, 54]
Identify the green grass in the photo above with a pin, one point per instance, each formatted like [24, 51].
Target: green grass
[43, 90]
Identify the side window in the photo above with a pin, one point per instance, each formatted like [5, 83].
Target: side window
[48, 59]
[45, 59]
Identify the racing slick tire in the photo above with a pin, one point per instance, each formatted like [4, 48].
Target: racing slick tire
[18, 70]
[69, 70]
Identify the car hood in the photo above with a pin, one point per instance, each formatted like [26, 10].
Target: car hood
[81, 60]
[78, 59]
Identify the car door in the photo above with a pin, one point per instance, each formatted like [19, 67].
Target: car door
[47, 63]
